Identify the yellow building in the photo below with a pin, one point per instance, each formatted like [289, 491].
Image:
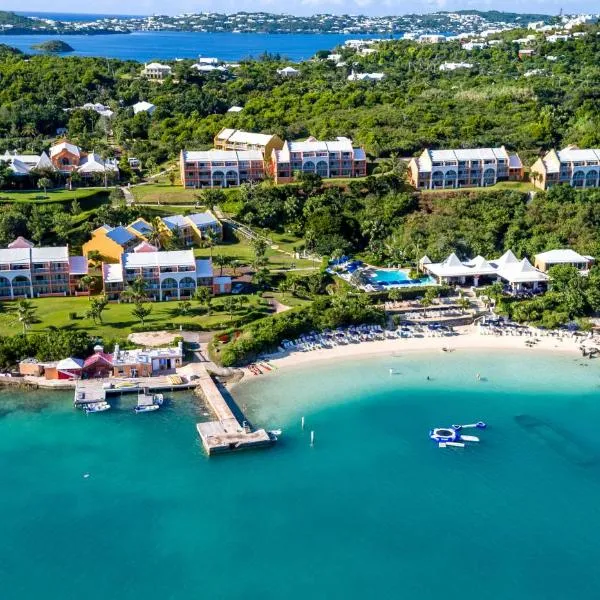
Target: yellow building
[236, 139]
[111, 242]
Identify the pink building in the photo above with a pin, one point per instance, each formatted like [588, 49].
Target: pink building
[333, 159]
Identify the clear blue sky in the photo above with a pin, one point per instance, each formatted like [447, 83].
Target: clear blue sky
[303, 7]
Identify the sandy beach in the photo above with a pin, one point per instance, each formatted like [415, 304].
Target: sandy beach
[468, 339]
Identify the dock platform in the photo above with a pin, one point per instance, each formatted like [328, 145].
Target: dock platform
[97, 390]
[225, 434]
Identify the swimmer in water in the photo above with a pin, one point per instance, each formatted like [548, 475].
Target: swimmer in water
[478, 377]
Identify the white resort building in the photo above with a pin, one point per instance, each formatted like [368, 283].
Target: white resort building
[468, 167]
[156, 71]
[168, 275]
[517, 275]
[573, 166]
[546, 260]
[30, 272]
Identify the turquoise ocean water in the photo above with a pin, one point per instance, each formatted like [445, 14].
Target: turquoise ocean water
[149, 45]
[374, 509]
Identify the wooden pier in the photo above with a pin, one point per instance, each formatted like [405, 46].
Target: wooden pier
[226, 434]
[97, 390]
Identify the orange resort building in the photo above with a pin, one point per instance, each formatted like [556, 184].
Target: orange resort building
[63, 157]
[470, 167]
[236, 139]
[326, 159]
[516, 275]
[572, 166]
[221, 168]
[112, 242]
[30, 272]
[168, 275]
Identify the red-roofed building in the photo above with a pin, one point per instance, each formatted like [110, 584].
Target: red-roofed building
[100, 364]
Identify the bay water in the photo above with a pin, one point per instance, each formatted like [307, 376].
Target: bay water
[144, 46]
[119, 505]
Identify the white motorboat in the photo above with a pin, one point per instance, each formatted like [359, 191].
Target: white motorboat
[146, 408]
[94, 407]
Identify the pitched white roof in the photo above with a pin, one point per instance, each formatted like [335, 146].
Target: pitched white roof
[143, 106]
[21, 242]
[156, 65]
[235, 109]
[521, 272]
[93, 163]
[340, 144]
[69, 364]
[25, 256]
[237, 136]
[221, 155]
[78, 265]
[159, 259]
[112, 273]
[204, 267]
[508, 267]
[578, 154]
[204, 218]
[468, 154]
[72, 148]
[507, 258]
[564, 256]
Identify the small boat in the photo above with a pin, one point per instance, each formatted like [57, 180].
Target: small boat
[94, 407]
[148, 402]
[274, 434]
[146, 408]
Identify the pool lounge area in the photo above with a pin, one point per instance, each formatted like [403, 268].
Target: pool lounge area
[374, 279]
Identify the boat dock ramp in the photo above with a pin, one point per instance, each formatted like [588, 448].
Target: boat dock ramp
[88, 391]
[225, 434]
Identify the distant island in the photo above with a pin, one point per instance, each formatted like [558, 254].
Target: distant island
[53, 46]
[462, 21]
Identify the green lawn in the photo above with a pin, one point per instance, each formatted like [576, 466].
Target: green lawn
[52, 196]
[242, 250]
[165, 193]
[117, 317]
[517, 186]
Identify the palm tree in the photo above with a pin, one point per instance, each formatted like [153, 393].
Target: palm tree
[136, 291]
[230, 304]
[85, 283]
[204, 296]
[98, 305]
[43, 184]
[95, 258]
[183, 308]
[285, 285]
[235, 265]
[211, 239]
[155, 235]
[464, 303]
[29, 130]
[25, 314]
[221, 261]
[141, 311]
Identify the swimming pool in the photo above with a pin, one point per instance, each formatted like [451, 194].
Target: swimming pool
[396, 277]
